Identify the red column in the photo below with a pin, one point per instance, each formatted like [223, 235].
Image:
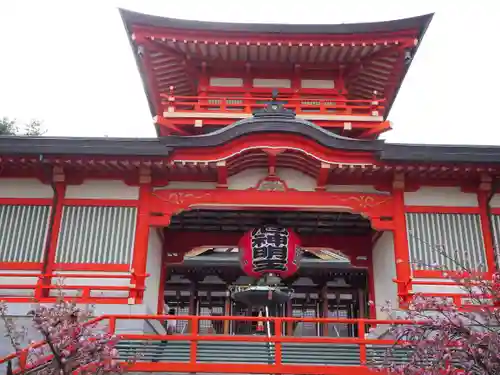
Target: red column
[482, 199]
[141, 241]
[401, 248]
[50, 256]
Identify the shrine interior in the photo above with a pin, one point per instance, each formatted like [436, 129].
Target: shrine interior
[333, 278]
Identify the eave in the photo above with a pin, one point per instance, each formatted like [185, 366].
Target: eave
[134, 18]
[119, 158]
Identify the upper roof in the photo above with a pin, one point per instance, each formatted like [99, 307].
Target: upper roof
[134, 18]
[170, 52]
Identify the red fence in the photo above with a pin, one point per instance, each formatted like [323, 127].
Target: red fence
[353, 361]
[43, 288]
[247, 105]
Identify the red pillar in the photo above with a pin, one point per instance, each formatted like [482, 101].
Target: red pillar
[50, 256]
[401, 248]
[141, 241]
[482, 199]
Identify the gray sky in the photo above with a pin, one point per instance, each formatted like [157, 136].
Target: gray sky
[69, 62]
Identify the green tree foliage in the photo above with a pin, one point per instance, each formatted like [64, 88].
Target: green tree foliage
[8, 127]
[11, 127]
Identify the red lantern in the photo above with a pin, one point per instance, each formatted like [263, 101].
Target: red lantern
[270, 249]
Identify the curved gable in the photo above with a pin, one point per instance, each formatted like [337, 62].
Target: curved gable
[273, 119]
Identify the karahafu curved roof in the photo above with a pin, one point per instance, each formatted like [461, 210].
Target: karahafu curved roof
[274, 118]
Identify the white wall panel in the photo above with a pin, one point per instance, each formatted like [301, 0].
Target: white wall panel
[384, 271]
[440, 196]
[102, 189]
[24, 188]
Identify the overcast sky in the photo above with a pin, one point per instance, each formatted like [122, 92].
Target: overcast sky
[69, 62]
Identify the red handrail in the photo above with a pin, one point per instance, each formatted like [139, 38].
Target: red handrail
[174, 98]
[300, 105]
[194, 336]
[86, 290]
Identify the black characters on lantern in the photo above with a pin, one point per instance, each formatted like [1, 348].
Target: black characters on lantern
[270, 249]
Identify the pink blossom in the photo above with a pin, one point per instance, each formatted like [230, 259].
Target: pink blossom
[69, 341]
[448, 339]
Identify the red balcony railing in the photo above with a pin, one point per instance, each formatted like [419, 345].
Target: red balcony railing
[273, 351]
[247, 105]
[41, 287]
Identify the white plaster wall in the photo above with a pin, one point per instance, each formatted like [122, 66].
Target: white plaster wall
[296, 179]
[92, 280]
[353, 188]
[11, 280]
[62, 280]
[153, 268]
[495, 201]
[452, 288]
[384, 271]
[250, 177]
[102, 189]
[188, 185]
[226, 82]
[440, 196]
[272, 82]
[317, 84]
[24, 188]
[246, 179]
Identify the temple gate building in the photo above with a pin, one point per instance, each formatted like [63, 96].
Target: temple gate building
[259, 127]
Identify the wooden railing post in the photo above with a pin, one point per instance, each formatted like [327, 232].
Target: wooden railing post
[194, 340]
[39, 287]
[112, 325]
[171, 100]
[278, 345]
[23, 359]
[362, 345]
[322, 106]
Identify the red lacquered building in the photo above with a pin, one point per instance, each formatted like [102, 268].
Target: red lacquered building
[256, 124]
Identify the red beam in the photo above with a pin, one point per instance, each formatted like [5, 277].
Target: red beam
[376, 129]
[167, 124]
[187, 240]
[188, 122]
[273, 69]
[248, 368]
